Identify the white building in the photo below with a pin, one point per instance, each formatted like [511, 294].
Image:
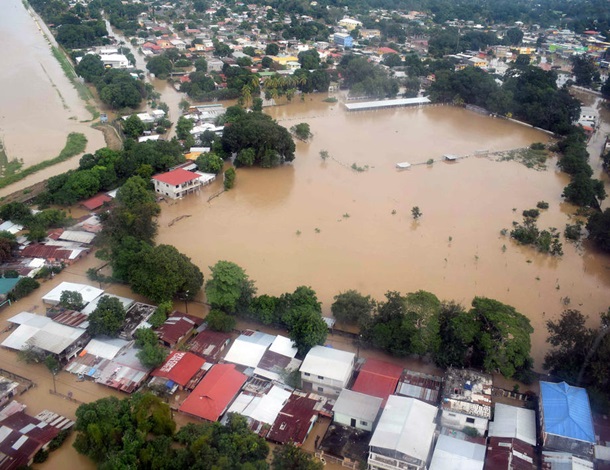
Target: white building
[350, 24]
[327, 370]
[514, 423]
[403, 437]
[456, 454]
[248, 349]
[115, 61]
[466, 400]
[89, 293]
[176, 183]
[357, 410]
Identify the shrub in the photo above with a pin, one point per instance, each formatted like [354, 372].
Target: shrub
[531, 213]
[23, 288]
[537, 146]
[542, 205]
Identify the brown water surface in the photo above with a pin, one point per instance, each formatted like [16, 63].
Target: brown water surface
[322, 224]
[39, 106]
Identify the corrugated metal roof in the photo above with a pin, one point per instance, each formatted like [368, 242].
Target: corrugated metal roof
[378, 378]
[248, 349]
[512, 422]
[328, 362]
[456, 454]
[91, 306]
[357, 405]
[78, 236]
[89, 293]
[180, 367]
[106, 348]
[567, 411]
[294, 421]
[407, 426]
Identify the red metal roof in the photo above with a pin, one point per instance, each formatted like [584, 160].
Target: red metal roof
[294, 421]
[509, 454]
[180, 367]
[378, 379]
[176, 177]
[214, 393]
[96, 202]
[47, 252]
[176, 327]
[210, 344]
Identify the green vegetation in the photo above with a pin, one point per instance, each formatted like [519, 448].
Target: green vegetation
[352, 307]
[301, 131]
[217, 320]
[581, 355]
[229, 289]
[229, 180]
[83, 92]
[23, 288]
[75, 144]
[527, 233]
[108, 317]
[71, 300]
[151, 353]
[530, 157]
[416, 213]
[599, 229]
[365, 79]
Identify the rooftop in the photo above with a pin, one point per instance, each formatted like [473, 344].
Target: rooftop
[378, 378]
[328, 362]
[567, 411]
[514, 423]
[422, 386]
[407, 426]
[177, 326]
[215, 392]
[456, 454]
[209, 344]
[467, 391]
[357, 405]
[386, 103]
[176, 177]
[294, 420]
[180, 367]
[248, 349]
[89, 293]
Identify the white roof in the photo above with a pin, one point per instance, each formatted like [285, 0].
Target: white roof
[357, 405]
[456, 454]
[10, 227]
[43, 333]
[89, 293]
[247, 350]
[328, 362]
[205, 177]
[602, 453]
[77, 236]
[387, 103]
[146, 138]
[407, 426]
[284, 346]
[126, 302]
[107, 348]
[270, 405]
[514, 423]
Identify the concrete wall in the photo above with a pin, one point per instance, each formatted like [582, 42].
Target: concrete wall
[459, 421]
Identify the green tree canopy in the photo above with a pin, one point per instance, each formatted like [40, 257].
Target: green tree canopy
[218, 320]
[229, 288]
[71, 300]
[289, 456]
[91, 68]
[308, 328]
[162, 272]
[210, 163]
[503, 343]
[598, 226]
[108, 317]
[133, 127]
[352, 307]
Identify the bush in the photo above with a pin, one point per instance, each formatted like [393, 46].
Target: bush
[59, 440]
[573, 231]
[220, 321]
[531, 213]
[537, 146]
[542, 205]
[23, 288]
[229, 178]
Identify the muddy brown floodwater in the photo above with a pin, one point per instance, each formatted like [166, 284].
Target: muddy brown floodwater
[322, 224]
[39, 107]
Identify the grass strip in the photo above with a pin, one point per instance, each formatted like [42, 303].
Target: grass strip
[75, 144]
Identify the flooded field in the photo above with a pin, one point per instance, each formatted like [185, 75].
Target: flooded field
[323, 224]
[39, 106]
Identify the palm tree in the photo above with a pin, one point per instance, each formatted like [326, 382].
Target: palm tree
[246, 94]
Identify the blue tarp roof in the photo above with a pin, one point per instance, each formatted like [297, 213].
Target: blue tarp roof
[567, 411]
[7, 284]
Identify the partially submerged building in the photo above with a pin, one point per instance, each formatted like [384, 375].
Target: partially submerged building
[565, 419]
[356, 409]
[216, 391]
[466, 400]
[177, 183]
[404, 435]
[326, 370]
[178, 328]
[89, 293]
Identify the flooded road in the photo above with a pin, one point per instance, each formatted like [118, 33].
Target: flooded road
[39, 107]
[322, 224]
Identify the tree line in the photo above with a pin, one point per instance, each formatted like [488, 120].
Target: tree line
[490, 335]
[139, 432]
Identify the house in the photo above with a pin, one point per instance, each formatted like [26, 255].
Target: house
[211, 398]
[350, 24]
[261, 409]
[209, 344]
[512, 439]
[295, 421]
[326, 370]
[215, 65]
[96, 202]
[466, 400]
[512, 422]
[96, 355]
[179, 369]
[43, 334]
[452, 453]
[564, 461]
[22, 436]
[419, 385]
[248, 349]
[565, 419]
[377, 379]
[279, 360]
[356, 410]
[404, 435]
[177, 183]
[177, 328]
[115, 61]
[89, 293]
[343, 39]
[124, 372]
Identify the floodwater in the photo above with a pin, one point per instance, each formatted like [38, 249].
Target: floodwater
[39, 107]
[323, 224]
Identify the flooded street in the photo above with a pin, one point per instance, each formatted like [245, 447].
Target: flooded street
[322, 224]
[39, 107]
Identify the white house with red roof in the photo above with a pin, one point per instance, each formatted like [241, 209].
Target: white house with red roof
[177, 183]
